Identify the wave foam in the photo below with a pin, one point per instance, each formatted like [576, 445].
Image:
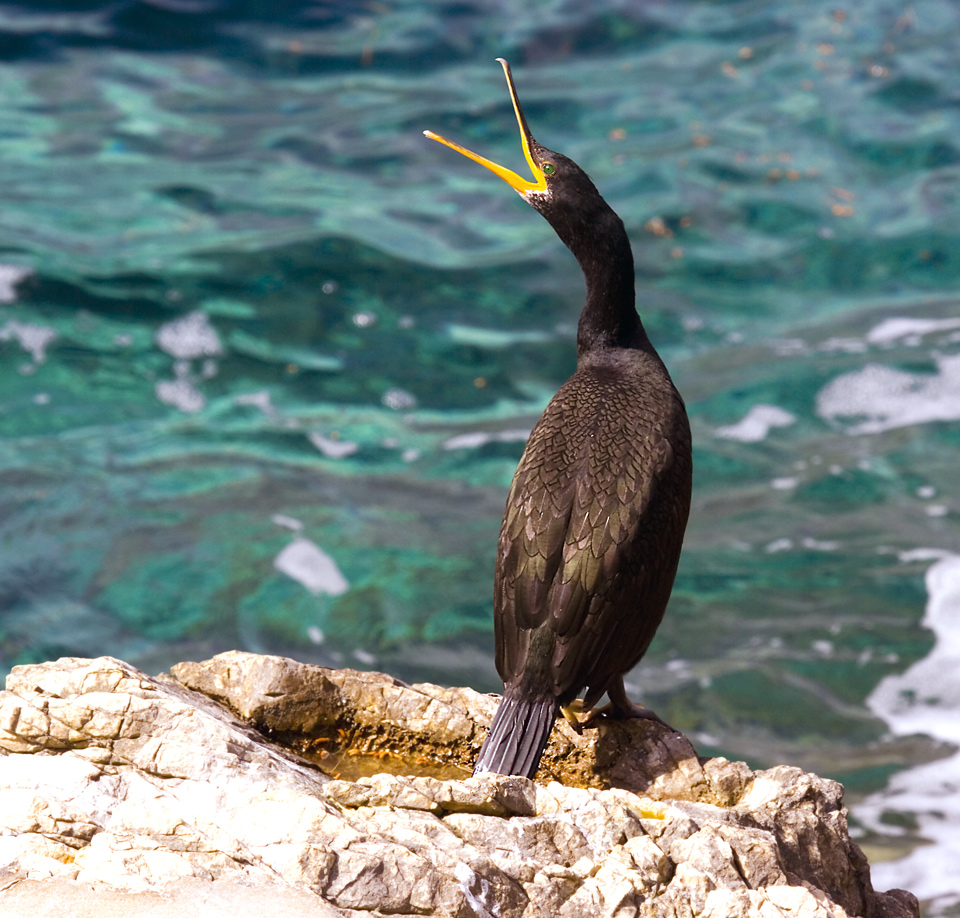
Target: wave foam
[756, 424]
[890, 330]
[886, 398]
[925, 699]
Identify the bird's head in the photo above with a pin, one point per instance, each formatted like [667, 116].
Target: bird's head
[585, 223]
[559, 186]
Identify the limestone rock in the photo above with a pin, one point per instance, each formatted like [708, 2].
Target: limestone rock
[316, 710]
[122, 792]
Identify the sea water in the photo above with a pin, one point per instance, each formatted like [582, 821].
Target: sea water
[268, 356]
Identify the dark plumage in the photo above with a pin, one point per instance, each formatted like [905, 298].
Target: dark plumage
[596, 513]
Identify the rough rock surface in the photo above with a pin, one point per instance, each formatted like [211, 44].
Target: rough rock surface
[124, 794]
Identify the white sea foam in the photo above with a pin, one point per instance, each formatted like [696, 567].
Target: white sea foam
[333, 449]
[787, 483]
[189, 337]
[32, 338]
[288, 522]
[310, 565]
[480, 438]
[844, 345]
[399, 400]
[882, 398]
[493, 337]
[923, 554]
[261, 400]
[756, 424]
[10, 276]
[890, 330]
[925, 699]
[181, 393]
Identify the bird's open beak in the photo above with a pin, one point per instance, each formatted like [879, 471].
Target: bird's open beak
[518, 183]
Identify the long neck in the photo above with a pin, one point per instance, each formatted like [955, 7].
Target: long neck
[609, 318]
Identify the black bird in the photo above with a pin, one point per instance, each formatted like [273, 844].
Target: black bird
[595, 518]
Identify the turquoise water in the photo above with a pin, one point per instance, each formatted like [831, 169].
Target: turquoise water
[268, 355]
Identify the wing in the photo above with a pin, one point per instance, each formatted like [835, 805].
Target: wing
[532, 535]
[608, 598]
[581, 531]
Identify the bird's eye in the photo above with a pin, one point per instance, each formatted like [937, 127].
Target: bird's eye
[548, 168]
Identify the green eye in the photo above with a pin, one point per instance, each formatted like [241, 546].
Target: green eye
[548, 168]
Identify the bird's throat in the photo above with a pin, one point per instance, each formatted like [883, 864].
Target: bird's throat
[609, 318]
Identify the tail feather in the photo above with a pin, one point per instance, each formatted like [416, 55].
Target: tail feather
[518, 736]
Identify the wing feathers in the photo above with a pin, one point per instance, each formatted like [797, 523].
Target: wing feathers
[598, 488]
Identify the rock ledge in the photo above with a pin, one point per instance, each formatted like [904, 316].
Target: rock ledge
[125, 794]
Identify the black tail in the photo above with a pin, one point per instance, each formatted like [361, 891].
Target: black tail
[518, 736]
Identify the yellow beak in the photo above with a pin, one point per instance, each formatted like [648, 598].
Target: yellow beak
[518, 183]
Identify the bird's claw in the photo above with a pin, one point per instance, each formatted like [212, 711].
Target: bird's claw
[573, 715]
[581, 720]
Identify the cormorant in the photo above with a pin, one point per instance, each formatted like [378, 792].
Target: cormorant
[594, 521]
